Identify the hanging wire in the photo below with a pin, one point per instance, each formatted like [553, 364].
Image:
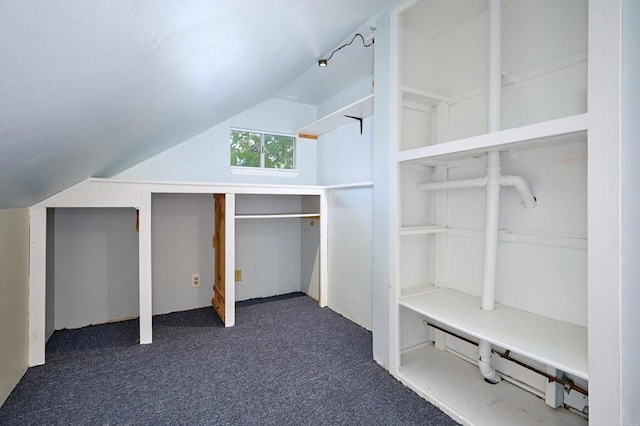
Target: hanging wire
[364, 43]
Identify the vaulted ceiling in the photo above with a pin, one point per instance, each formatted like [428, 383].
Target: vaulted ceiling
[88, 88]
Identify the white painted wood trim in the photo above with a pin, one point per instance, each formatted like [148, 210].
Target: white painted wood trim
[324, 250]
[230, 260]
[37, 284]
[350, 185]
[145, 268]
[604, 279]
[395, 106]
[261, 171]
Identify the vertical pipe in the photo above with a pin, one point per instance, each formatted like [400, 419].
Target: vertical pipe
[484, 363]
[495, 65]
[493, 185]
[491, 231]
[493, 158]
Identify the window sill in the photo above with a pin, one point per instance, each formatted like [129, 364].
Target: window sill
[258, 171]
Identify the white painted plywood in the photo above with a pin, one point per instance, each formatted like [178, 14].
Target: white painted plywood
[555, 343]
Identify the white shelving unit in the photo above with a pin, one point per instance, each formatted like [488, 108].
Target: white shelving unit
[442, 134]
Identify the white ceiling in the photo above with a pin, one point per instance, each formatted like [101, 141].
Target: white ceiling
[89, 88]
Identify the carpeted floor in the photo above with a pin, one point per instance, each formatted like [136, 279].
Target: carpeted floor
[286, 362]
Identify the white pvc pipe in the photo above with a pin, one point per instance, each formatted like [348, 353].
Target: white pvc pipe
[493, 184]
[495, 65]
[491, 231]
[453, 184]
[521, 185]
[484, 363]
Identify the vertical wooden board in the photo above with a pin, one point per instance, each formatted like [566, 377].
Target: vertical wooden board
[218, 300]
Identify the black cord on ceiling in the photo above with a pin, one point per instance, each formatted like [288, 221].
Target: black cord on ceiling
[323, 62]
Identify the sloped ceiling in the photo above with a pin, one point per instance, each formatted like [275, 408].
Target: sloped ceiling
[89, 88]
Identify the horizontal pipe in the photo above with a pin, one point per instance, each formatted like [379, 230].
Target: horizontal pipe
[453, 184]
[518, 182]
[507, 355]
[521, 185]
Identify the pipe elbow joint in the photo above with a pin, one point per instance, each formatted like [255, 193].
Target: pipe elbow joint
[521, 185]
[529, 204]
[488, 372]
[484, 363]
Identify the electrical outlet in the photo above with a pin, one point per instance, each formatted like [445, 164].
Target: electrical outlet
[195, 280]
[238, 275]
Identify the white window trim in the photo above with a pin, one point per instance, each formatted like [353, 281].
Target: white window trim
[264, 171]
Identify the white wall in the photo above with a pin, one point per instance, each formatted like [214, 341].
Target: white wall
[276, 256]
[14, 277]
[630, 211]
[350, 254]
[345, 156]
[310, 257]
[346, 97]
[205, 157]
[96, 266]
[181, 232]
[268, 253]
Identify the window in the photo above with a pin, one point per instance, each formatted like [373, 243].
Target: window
[262, 150]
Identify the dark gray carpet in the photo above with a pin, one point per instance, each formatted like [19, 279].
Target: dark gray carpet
[286, 362]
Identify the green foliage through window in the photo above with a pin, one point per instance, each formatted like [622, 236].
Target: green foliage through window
[254, 149]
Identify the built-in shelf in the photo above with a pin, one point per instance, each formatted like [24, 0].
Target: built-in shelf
[568, 130]
[423, 229]
[420, 96]
[362, 108]
[417, 289]
[555, 343]
[455, 386]
[367, 184]
[277, 215]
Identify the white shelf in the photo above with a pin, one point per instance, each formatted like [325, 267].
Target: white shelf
[562, 131]
[423, 229]
[368, 184]
[555, 343]
[362, 108]
[456, 387]
[420, 96]
[276, 215]
[417, 289]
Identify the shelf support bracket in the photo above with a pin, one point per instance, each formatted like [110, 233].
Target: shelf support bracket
[356, 118]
